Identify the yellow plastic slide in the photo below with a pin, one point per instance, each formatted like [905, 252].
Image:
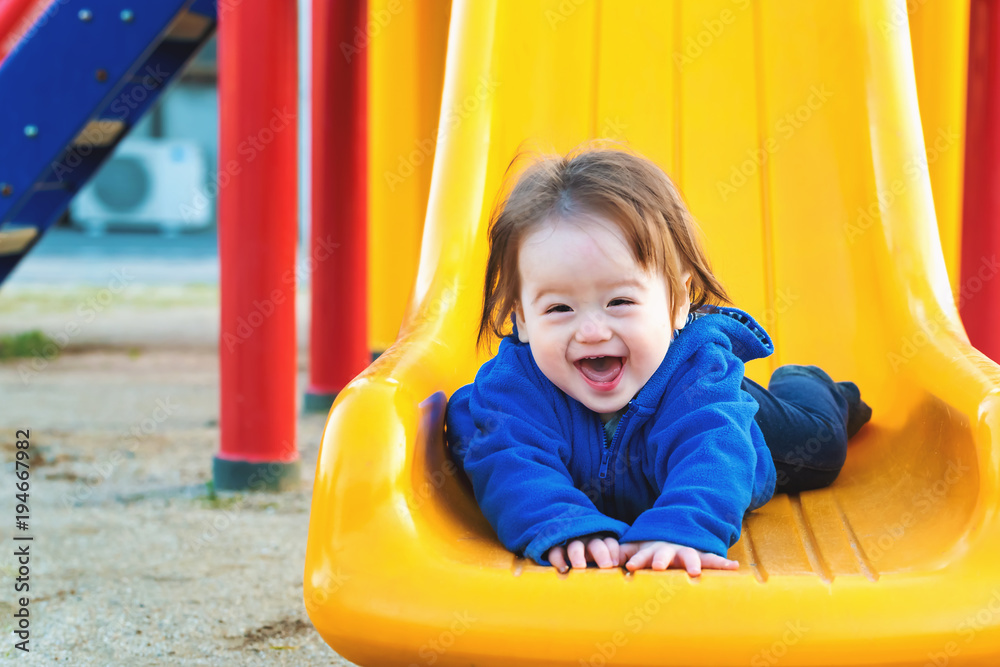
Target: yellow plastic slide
[939, 31]
[793, 130]
[406, 52]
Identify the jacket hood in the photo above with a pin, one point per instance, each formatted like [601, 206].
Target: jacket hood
[710, 325]
[748, 338]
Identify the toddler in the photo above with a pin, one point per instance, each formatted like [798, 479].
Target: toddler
[615, 425]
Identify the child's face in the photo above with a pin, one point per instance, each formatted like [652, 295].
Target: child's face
[598, 324]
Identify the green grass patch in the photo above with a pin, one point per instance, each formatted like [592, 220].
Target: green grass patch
[212, 500]
[28, 344]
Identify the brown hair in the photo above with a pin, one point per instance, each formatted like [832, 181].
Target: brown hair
[620, 185]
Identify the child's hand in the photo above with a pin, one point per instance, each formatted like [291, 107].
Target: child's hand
[663, 555]
[603, 551]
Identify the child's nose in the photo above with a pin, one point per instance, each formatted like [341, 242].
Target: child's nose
[593, 329]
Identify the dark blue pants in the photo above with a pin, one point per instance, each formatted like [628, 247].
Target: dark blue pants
[803, 415]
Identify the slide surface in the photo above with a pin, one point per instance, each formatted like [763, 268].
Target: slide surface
[794, 133]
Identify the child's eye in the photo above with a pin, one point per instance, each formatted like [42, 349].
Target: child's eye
[620, 302]
[558, 308]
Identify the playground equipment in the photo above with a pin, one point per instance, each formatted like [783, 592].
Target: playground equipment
[406, 51]
[104, 66]
[788, 127]
[981, 218]
[939, 33]
[956, 56]
[77, 75]
[407, 70]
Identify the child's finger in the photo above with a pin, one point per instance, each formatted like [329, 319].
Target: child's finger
[717, 562]
[575, 552]
[557, 557]
[691, 561]
[627, 550]
[664, 556]
[641, 559]
[614, 550]
[598, 551]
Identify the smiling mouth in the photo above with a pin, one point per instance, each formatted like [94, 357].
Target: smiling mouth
[602, 373]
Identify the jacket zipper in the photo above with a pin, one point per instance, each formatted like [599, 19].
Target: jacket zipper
[609, 454]
[606, 453]
[605, 457]
[609, 450]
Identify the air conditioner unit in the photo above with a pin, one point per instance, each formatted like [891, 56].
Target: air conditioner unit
[147, 183]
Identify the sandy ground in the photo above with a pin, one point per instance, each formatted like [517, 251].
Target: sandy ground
[133, 562]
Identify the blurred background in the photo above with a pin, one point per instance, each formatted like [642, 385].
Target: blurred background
[131, 210]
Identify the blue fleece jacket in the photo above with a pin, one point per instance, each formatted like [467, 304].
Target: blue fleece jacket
[686, 461]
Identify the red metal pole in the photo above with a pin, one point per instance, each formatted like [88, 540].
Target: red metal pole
[338, 340]
[257, 184]
[16, 19]
[979, 292]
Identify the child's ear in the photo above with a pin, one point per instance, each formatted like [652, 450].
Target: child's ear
[522, 328]
[685, 306]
